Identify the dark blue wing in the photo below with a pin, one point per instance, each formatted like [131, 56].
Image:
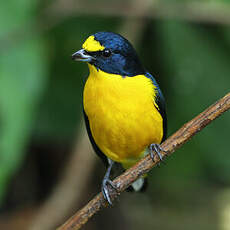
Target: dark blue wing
[160, 101]
[95, 147]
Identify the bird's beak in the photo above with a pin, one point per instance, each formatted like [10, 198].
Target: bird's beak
[82, 55]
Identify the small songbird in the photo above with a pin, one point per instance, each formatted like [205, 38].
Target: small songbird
[124, 108]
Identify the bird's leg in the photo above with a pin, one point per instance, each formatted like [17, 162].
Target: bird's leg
[106, 181]
[155, 149]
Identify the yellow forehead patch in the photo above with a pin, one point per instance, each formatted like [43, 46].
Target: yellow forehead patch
[91, 45]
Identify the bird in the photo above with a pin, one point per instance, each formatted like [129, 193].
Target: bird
[123, 106]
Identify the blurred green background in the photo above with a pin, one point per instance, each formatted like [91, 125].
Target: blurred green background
[184, 44]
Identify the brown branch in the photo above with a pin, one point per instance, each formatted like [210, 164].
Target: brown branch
[170, 145]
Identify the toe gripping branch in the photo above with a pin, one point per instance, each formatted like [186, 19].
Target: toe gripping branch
[107, 182]
[156, 149]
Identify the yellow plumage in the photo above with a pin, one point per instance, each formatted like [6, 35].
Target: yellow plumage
[124, 108]
[122, 115]
[91, 45]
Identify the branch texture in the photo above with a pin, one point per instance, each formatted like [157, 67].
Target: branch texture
[170, 145]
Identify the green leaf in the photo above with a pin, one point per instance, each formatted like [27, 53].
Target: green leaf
[22, 79]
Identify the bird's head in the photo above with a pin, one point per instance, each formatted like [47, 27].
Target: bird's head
[111, 53]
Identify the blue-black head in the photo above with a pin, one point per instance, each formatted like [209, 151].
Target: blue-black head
[111, 53]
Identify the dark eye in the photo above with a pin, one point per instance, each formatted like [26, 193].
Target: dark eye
[106, 53]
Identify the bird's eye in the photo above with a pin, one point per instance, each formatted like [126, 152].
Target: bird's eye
[106, 53]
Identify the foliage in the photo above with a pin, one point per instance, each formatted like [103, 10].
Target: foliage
[23, 68]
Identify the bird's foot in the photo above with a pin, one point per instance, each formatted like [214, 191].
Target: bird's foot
[156, 149]
[105, 189]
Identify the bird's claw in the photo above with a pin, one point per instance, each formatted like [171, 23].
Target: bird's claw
[105, 189]
[156, 149]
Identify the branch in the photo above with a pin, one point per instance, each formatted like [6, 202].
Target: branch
[143, 166]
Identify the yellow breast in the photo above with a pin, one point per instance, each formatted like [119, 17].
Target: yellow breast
[122, 114]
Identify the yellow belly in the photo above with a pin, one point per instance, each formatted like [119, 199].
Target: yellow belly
[122, 115]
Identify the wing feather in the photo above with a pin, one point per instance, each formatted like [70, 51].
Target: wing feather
[160, 101]
[95, 147]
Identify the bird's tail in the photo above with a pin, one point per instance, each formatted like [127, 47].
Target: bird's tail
[139, 185]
